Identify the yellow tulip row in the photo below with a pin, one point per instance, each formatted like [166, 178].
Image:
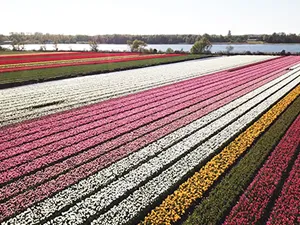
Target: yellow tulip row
[176, 204]
[65, 61]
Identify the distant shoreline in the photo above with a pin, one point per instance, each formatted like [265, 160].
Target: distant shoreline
[216, 43]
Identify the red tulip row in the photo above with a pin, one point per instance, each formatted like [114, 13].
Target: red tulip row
[146, 100]
[32, 55]
[14, 59]
[96, 154]
[252, 204]
[286, 209]
[134, 58]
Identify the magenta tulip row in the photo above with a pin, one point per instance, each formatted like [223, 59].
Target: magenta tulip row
[73, 115]
[286, 209]
[253, 203]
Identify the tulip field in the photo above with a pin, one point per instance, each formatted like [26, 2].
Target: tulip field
[212, 141]
[12, 63]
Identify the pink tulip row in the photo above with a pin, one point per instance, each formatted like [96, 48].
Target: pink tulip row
[29, 197]
[55, 120]
[286, 209]
[252, 204]
[80, 142]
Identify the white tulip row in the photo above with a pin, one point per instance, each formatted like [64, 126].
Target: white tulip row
[107, 196]
[104, 177]
[130, 208]
[17, 103]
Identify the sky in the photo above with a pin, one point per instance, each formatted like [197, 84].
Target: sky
[150, 17]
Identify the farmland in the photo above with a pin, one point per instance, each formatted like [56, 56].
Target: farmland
[212, 141]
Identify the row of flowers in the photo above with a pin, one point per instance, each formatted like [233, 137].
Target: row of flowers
[14, 59]
[147, 102]
[222, 197]
[124, 149]
[286, 208]
[63, 139]
[116, 84]
[73, 61]
[129, 209]
[114, 60]
[150, 150]
[252, 204]
[43, 63]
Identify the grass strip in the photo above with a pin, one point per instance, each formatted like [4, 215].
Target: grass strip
[18, 52]
[224, 195]
[12, 79]
[176, 204]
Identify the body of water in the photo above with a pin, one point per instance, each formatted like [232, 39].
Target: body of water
[238, 48]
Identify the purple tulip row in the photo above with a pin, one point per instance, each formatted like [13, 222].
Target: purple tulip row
[252, 204]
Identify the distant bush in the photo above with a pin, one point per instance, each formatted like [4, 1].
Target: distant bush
[169, 50]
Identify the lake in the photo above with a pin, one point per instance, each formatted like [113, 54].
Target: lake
[238, 48]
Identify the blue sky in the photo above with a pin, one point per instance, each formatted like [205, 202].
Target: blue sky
[150, 17]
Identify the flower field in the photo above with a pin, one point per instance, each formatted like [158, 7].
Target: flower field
[12, 63]
[201, 142]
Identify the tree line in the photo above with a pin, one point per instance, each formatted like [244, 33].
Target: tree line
[40, 38]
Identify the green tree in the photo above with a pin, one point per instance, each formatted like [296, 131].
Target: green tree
[94, 45]
[169, 50]
[201, 46]
[136, 45]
